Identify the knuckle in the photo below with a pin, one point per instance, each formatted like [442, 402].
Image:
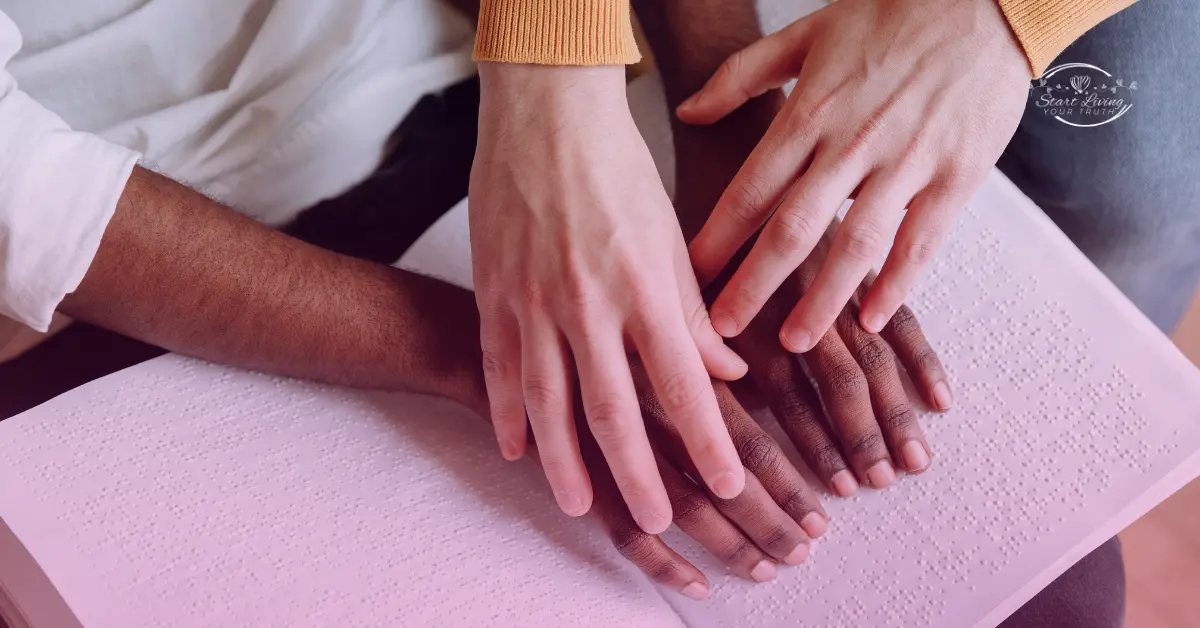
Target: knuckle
[542, 397]
[874, 357]
[732, 71]
[696, 317]
[904, 322]
[846, 380]
[494, 367]
[798, 502]
[791, 232]
[734, 551]
[826, 455]
[759, 452]
[927, 360]
[748, 199]
[776, 540]
[862, 243]
[898, 418]
[866, 443]
[691, 509]
[958, 173]
[632, 542]
[608, 420]
[682, 390]
[534, 294]
[920, 251]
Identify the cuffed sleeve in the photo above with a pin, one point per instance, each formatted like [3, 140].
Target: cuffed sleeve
[556, 32]
[1046, 27]
[58, 191]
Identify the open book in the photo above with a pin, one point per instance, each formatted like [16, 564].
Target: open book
[179, 493]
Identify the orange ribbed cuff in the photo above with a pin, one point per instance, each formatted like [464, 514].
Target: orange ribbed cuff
[1046, 27]
[556, 32]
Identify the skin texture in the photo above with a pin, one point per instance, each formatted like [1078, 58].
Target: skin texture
[181, 271]
[578, 260]
[888, 109]
[871, 421]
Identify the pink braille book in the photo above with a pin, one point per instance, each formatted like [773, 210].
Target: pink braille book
[180, 493]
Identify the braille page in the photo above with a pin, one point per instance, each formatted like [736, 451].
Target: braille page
[1073, 417]
[178, 493]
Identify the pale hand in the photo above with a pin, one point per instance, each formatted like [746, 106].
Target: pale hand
[898, 103]
[579, 261]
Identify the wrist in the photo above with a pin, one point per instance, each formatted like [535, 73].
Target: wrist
[539, 92]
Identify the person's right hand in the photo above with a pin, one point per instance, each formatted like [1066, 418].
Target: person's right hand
[870, 430]
[578, 257]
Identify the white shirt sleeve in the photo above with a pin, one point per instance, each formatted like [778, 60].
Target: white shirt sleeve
[58, 190]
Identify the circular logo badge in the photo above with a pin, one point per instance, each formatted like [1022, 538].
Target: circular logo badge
[1082, 95]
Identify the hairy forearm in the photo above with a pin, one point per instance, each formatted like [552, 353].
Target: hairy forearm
[179, 270]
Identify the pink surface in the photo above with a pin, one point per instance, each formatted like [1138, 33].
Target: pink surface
[185, 494]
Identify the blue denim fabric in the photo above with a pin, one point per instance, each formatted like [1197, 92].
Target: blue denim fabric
[1128, 193]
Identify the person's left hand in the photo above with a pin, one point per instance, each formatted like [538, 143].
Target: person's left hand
[899, 103]
[770, 522]
[871, 429]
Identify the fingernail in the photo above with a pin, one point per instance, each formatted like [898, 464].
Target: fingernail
[814, 524]
[726, 485]
[570, 503]
[651, 522]
[874, 323]
[798, 555]
[510, 451]
[882, 475]
[844, 483]
[797, 341]
[916, 459]
[696, 591]
[942, 397]
[764, 571]
[725, 325]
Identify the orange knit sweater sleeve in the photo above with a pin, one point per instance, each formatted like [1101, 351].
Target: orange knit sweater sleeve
[599, 32]
[556, 32]
[1046, 27]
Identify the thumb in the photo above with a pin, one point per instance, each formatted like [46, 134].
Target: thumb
[751, 72]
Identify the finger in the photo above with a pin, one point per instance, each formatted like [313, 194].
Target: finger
[930, 217]
[786, 241]
[759, 516]
[798, 409]
[765, 460]
[843, 388]
[720, 360]
[859, 242]
[753, 194]
[696, 515]
[611, 407]
[686, 394]
[765, 65]
[547, 387]
[901, 431]
[904, 334]
[498, 337]
[777, 510]
[646, 551]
